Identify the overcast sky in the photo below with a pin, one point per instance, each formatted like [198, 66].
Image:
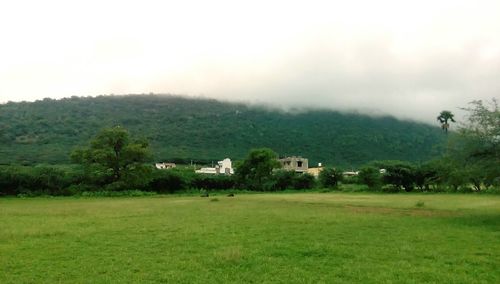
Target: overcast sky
[410, 59]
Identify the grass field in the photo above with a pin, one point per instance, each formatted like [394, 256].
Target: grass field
[255, 238]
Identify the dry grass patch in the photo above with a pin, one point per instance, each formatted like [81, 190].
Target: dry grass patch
[232, 255]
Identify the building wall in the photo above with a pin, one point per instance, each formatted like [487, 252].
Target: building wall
[314, 171]
[223, 167]
[297, 164]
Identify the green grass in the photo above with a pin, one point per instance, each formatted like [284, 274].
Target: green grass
[259, 238]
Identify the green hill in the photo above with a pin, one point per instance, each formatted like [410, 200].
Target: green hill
[202, 129]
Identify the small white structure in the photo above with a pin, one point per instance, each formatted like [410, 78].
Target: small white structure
[206, 171]
[164, 166]
[222, 167]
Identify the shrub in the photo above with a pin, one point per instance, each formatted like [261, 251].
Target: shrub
[281, 180]
[330, 177]
[371, 177]
[39, 180]
[166, 181]
[212, 182]
[400, 174]
[304, 181]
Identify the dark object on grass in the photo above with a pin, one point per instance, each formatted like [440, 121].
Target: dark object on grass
[230, 195]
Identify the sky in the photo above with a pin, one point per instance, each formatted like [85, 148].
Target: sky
[409, 59]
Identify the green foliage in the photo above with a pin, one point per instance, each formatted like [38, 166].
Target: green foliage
[181, 129]
[39, 180]
[330, 177]
[256, 169]
[427, 175]
[282, 180]
[285, 179]
[304, 181]
[399, 175]
[112, 159]
[475, 152]
[444, 117]
[213, 182]
[370, 176]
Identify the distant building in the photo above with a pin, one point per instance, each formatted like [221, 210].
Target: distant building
[350, 174]
[164, 166]
[315, 171]
[222, 167]
[293, 163]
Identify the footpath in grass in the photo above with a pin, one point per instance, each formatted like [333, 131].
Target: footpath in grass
[284, 238]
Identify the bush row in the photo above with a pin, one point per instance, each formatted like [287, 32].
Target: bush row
[72, 180]
[433, 176]
[397, 177]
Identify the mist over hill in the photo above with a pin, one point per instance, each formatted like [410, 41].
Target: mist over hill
[204, 129]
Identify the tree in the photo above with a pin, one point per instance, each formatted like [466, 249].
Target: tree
[477, 148]
[330, 177]
[256, 169]
[303, 181]
[399, 174]
[281, 180]
[444, 117]
[113, 157]
[371, 177]
[483, 127]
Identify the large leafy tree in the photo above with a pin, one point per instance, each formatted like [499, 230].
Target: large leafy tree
[444, 117]
[256, 169]
[114, 157]
[478, 147]
[399, 174]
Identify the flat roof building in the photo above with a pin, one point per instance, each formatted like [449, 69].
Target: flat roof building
[294, 163]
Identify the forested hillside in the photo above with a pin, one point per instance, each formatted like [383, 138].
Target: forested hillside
[201, 129]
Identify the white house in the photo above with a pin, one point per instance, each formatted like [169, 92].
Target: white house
[222, 167]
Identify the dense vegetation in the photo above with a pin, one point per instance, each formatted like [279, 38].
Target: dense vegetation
[114, 161]
[399, 176]
[181, 129]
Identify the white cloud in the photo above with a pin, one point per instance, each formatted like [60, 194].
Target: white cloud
[406, 58]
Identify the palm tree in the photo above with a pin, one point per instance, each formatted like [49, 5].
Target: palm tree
[443, 118]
